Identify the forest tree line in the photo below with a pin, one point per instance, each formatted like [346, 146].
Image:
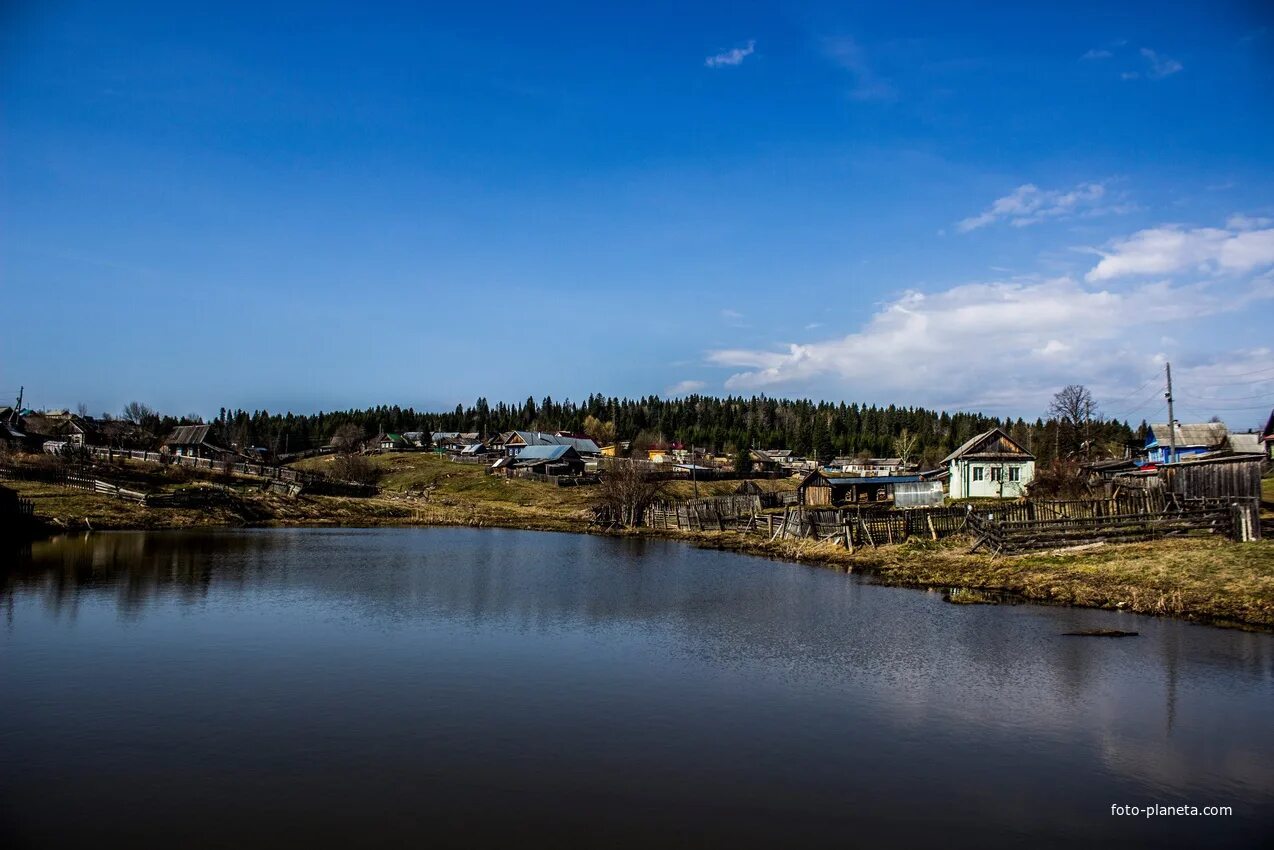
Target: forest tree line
[720, 425]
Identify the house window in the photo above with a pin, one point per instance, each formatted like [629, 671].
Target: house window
[977, 473]
[1015, 473]
[996, 473]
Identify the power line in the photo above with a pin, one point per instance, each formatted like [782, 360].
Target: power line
[1262, 371]
[1218, 383]
[1235, 398]
[1145, 384]
[1141, 405]
[1197, 407]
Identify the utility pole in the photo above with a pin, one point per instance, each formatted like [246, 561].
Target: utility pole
[17, 410]
[1172, 423]
[693, 479]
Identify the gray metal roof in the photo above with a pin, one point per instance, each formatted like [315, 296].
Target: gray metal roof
[1204, 434]
[545, 453]
[583, 445]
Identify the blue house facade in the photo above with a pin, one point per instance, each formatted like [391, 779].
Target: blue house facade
[1191, 440]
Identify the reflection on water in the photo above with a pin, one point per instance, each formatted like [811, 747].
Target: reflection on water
[479, 686]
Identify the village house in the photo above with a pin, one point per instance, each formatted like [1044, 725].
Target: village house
[763, 461]
[990, 465]
[416, 439]
[1267, 436]
[192, 441]
[1191, 440]
[386, 442]
[548, 460]
[13, 439]
[514, 442]
[453, 441]
[58, 426]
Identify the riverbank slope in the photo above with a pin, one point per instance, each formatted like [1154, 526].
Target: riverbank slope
[1207, 579]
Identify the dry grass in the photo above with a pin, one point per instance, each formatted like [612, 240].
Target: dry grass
[1206, 578]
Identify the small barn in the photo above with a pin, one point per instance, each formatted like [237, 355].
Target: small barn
[1249, 443]
[823, 488]
[1226, 476]
[192, 441]
[515, 442]
[549, 460]
[474, 450]
[1267, 436]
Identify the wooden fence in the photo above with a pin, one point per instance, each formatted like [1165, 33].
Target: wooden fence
[1208, 516]
[1008, 526]
[720, 514]
[311, 481]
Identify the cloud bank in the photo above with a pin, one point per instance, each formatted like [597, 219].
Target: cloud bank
[1008, 344]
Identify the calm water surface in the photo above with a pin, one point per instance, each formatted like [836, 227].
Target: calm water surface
[476, 687]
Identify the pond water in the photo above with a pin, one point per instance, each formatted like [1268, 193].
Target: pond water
[402, 687]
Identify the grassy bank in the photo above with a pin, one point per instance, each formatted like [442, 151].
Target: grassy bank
[1207, 579]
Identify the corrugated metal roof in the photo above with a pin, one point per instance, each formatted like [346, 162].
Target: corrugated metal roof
[583, 445]
[1205, 434]
[543, 453]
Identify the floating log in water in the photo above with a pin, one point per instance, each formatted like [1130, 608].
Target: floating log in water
[1100, 633]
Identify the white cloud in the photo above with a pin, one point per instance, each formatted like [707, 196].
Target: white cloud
[1172, 249]
[732, 57]
[868, 85]
[1002, 345]
[1028, 204]
[684, 388]
[1097, 54]
[1157, 67]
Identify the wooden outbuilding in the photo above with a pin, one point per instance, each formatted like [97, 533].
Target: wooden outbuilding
[820, 488]
[549, 460]
[192, 441]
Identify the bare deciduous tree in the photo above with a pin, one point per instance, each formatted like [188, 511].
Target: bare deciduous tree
[1074, 409]
[136, 412]
[348, 438]
[624, 492]
[905, 444]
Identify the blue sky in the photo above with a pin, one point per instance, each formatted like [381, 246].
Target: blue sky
[308, 206]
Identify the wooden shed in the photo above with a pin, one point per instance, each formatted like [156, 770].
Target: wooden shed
[820, 488]
[1227, 476]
